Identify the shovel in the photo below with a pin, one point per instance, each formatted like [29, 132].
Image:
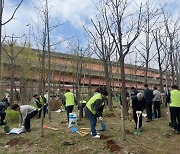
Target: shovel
[52, 128]
[138, 132]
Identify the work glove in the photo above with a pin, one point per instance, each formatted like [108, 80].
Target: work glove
[100, 118]
[138, 112]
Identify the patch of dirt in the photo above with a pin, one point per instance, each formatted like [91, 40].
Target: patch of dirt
[68, 142]
[110, 115]
[83, 151]
[80, 124]
[128, 132]
[113, 146]
[104, 137]
[63, 122]
[17, 141]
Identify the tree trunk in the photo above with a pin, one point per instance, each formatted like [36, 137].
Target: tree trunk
[123, 92]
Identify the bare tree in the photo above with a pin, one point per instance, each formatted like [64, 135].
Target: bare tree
[151, 19]
[12, 56]
[125, 29]
[104, 47]
[161, 42]
[172, 28]
[2, 24]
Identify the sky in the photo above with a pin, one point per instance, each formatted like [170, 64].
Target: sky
[70, 15]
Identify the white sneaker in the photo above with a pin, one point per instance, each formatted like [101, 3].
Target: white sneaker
[97, 136]
[96, 133]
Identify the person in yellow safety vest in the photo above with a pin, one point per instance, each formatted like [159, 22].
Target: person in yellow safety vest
[81, 106]
[92, 110]
[174, 100]
[40, 100]
[69, 102]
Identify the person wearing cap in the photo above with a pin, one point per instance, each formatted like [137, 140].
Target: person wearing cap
[174, 100]
[93, 110]
[3, 106]
[26, 113]
[69, 102]
[40, 102]
[138, 104]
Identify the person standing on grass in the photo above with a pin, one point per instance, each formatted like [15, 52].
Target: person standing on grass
[157, 103]
[81, 107]
[40, 101]
[46, 95]
[174, 100]
[3, 106]
[148, 95]
[138, 104]
[69, 102]
[134, 92]
[93, 110]
[26, 113]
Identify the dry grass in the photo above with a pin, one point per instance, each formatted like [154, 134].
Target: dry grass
[157, 138]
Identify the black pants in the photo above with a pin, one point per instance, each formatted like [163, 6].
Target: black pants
[28, 119]
[44, 110]
[157, 110]
[135, 119]
[69, 109]
[81, 108]
[149, 110]
[3, 115]
[175, 117]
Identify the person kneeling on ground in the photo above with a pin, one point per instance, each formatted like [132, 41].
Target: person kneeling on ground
[3, 106]
[26, 113]
[138, 104]
[92, 110]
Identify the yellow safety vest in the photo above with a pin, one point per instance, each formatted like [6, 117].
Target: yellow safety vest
[69, 99]
[175, 98]
[92, 101]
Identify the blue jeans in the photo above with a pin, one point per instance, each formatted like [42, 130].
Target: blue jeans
[92, 121]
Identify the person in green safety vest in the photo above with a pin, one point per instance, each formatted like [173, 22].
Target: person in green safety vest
[174, 100]
[92, 110]
[69, 102]
[40, 101]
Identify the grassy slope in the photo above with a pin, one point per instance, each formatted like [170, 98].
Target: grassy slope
[157, 138]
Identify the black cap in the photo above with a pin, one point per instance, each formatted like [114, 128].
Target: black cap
[104, 92]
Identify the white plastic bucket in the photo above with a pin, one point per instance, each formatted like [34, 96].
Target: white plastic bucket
[72, 120]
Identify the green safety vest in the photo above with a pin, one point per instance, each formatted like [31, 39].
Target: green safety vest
[40, 101]
[69, 98]
[92, 101]
[175, 98]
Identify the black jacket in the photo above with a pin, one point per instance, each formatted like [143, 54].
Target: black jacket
[138, 105]
[148, 95]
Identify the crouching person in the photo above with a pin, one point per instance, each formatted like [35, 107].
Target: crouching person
[138, 104]
[92, 110]
[26, 113]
